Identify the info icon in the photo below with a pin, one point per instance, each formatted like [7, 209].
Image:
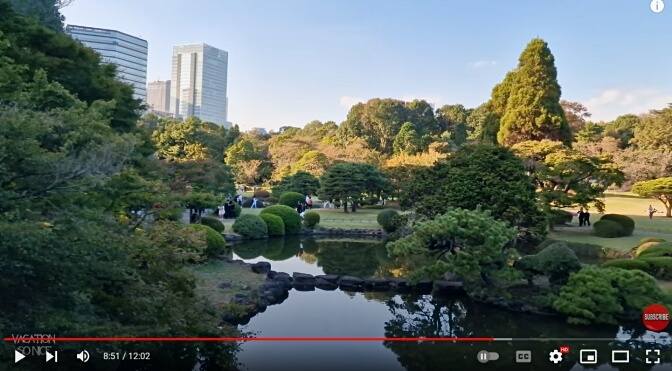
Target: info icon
[588, 356]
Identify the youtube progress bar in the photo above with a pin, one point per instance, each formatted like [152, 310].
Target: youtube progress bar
[197, 339]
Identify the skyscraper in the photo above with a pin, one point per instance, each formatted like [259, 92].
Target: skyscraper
[198, 85]
[158, 96]
[128, 53]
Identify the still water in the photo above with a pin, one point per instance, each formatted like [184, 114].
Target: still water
[386, 315]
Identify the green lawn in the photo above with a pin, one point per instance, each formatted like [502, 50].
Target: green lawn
[209, 276]
[625, 204]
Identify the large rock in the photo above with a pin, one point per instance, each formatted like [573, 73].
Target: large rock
[448, 288]
[303, 279]
[272, 292]
[398, 283]
[261, 267]
[284, 279]
[271, 274]
[348, 281]
[303, 287]
[333, 278]
[323, 284]
[424, 285]
[377, 283]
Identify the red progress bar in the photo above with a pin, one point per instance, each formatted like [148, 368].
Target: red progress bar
[245, 339]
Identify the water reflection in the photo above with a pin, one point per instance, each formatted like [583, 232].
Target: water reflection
[363, 259]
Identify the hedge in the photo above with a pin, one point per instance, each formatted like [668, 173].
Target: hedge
[291, 199]
[627, 264]
[262, 193]
[661, 249]
[276, 227]
[311, 219]
[271, 200]
[626, 222]
[385, 218]
[251, 226]
[289, 216]
[215, 243]
[248, 203]
[580, 249]
[608, 229]
[213, 223]
[642, 248]
[660, 267]
[650, 239]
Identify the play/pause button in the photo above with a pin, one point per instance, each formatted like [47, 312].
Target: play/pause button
[18, 356]
[485, 356]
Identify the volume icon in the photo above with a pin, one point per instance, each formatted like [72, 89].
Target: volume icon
[83, 356]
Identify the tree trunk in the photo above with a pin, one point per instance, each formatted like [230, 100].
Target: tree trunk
[345, 206]
[669, 210]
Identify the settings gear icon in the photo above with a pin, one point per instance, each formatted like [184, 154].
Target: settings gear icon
[555, 356]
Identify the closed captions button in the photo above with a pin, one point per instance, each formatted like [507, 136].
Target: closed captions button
[523, 356]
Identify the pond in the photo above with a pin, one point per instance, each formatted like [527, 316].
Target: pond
[386, 315]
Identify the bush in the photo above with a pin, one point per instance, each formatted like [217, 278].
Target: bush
[557, 262]
[626, 222]
[213, 223]
[608, 229]
[311, 219]
[291, 199]
[560, 217]
[600, 295]
[650, 239]
[239, 210]
[627, 264]
[171, 214]
[643, 247]
[276, 227]
[271, 200]
[659, 266]
[261, 193]
[248, 203]
[661, 249]
[289, 216]
[385, 219]
[251, 227]
[216, 244]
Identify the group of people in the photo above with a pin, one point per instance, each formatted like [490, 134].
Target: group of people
[584, 218]
[228, 210]
[302, 206]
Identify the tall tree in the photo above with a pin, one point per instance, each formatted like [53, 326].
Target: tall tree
[483, 125]
[576, 114]
[407, 141]
[45, 11]
[453, 119]
[190, 139]
[530, 99]
[654, 132]
[623, 128]
[342, 181]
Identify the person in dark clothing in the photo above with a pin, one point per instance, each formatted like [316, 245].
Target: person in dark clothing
[586, 218]
[300, 208]
[582, 217]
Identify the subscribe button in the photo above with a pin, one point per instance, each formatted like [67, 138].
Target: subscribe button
[656, 317]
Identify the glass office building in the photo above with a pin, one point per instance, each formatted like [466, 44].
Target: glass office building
[198, 84]
[128, 53]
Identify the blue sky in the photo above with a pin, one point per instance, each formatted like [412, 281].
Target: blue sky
[293, 61]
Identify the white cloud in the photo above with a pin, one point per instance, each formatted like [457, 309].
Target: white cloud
[348, 101]
[612, 103]
[482, 64]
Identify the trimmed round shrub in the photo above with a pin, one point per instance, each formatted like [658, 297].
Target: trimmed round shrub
[171, 214]
[560, 217]
[213, 223]
[661, 249]
[645, 247]
[276, 227]
[385, 218]
[627, 264]
[650, 239]
[271, 200]
[261, 193]
[557, 261]
[239, 210]
[215, 243]
[291, 199]
[289, 216]
[608, 229]
[660, 267]
[626, 222]
[251, 227]
[311, 219]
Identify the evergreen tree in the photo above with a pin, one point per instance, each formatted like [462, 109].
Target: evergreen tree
[407, 141]
[528, 100]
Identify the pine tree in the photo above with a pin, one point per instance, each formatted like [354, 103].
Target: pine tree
[528, 100]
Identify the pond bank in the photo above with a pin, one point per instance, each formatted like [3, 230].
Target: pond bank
[323, 232]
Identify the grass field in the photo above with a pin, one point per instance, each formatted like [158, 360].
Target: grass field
[331, 218]
[240, 279]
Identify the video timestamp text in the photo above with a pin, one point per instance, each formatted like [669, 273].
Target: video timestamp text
[124, 356]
